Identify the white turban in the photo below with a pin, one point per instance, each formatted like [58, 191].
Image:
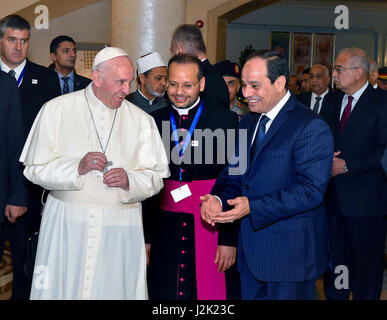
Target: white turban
[107, 54]
[149, 61]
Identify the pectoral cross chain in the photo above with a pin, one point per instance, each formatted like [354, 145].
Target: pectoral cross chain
[108, 163]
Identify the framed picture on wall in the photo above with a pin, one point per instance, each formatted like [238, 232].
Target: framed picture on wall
[85, 57]
[301, 53]
[280, 42]
[324, 44]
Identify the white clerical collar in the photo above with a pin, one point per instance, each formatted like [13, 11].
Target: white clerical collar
[184, 112]
[150, 101]
[18, 70]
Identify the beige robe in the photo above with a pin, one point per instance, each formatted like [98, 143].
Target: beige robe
[91, 243]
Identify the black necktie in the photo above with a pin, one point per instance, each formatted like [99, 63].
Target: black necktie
[66, 88]
[12, 73]
[259, 136]
[317, 104]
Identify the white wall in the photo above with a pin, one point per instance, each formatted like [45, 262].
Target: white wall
[198, 10]
[89, 24]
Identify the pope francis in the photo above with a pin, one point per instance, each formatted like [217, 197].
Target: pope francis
[100, 156]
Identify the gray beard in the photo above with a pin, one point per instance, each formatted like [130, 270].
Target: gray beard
[153, 93]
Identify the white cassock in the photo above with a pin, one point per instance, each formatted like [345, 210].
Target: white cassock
[91, 242]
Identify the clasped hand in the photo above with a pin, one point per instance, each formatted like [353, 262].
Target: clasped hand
[14, 212]
[115, 177]
[337, 164]
[211, 209]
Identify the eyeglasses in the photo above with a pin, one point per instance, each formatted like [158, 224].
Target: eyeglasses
[340, 69]
[185, 86]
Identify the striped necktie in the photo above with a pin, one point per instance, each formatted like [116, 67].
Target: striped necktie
[261, 131]
[66, 88]
[317, 104]
[12, 73]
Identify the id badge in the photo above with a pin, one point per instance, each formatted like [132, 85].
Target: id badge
[181, 193]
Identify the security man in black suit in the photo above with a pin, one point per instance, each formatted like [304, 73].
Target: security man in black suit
[13, 190]
[63, 53]
[36, 85]
[357, 193]
[187, 39]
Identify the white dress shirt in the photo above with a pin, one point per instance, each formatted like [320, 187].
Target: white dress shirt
[18, 70]
[313, 100]
[356, 97]
[272, 114]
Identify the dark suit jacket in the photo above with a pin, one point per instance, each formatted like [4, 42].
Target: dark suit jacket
[384, 162]
[215, 91]
[306, 99]
[80, 82]
[284, 238]
[39, 86]
[12, 188]
[362, 191]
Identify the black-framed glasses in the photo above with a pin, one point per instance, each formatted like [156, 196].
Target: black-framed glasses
[340, 69]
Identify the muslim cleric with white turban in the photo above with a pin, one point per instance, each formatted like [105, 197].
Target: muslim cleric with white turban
[99, 156]
[152, 80]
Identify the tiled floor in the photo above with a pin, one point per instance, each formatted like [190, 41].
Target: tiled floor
[6, 275]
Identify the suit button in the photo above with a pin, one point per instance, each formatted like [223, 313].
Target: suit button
[247, 187]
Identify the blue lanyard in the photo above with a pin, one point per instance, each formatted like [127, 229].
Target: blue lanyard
[190, 132]
[19, 80]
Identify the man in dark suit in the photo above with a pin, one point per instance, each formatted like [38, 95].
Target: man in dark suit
[187, 39]
[64, 55]
[36, 85]
[357, 193]
[13, 191]
[282, 242]
[319, 84]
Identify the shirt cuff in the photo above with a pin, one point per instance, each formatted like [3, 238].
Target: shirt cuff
[80, 181]
[125, 194]
[219, 200]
